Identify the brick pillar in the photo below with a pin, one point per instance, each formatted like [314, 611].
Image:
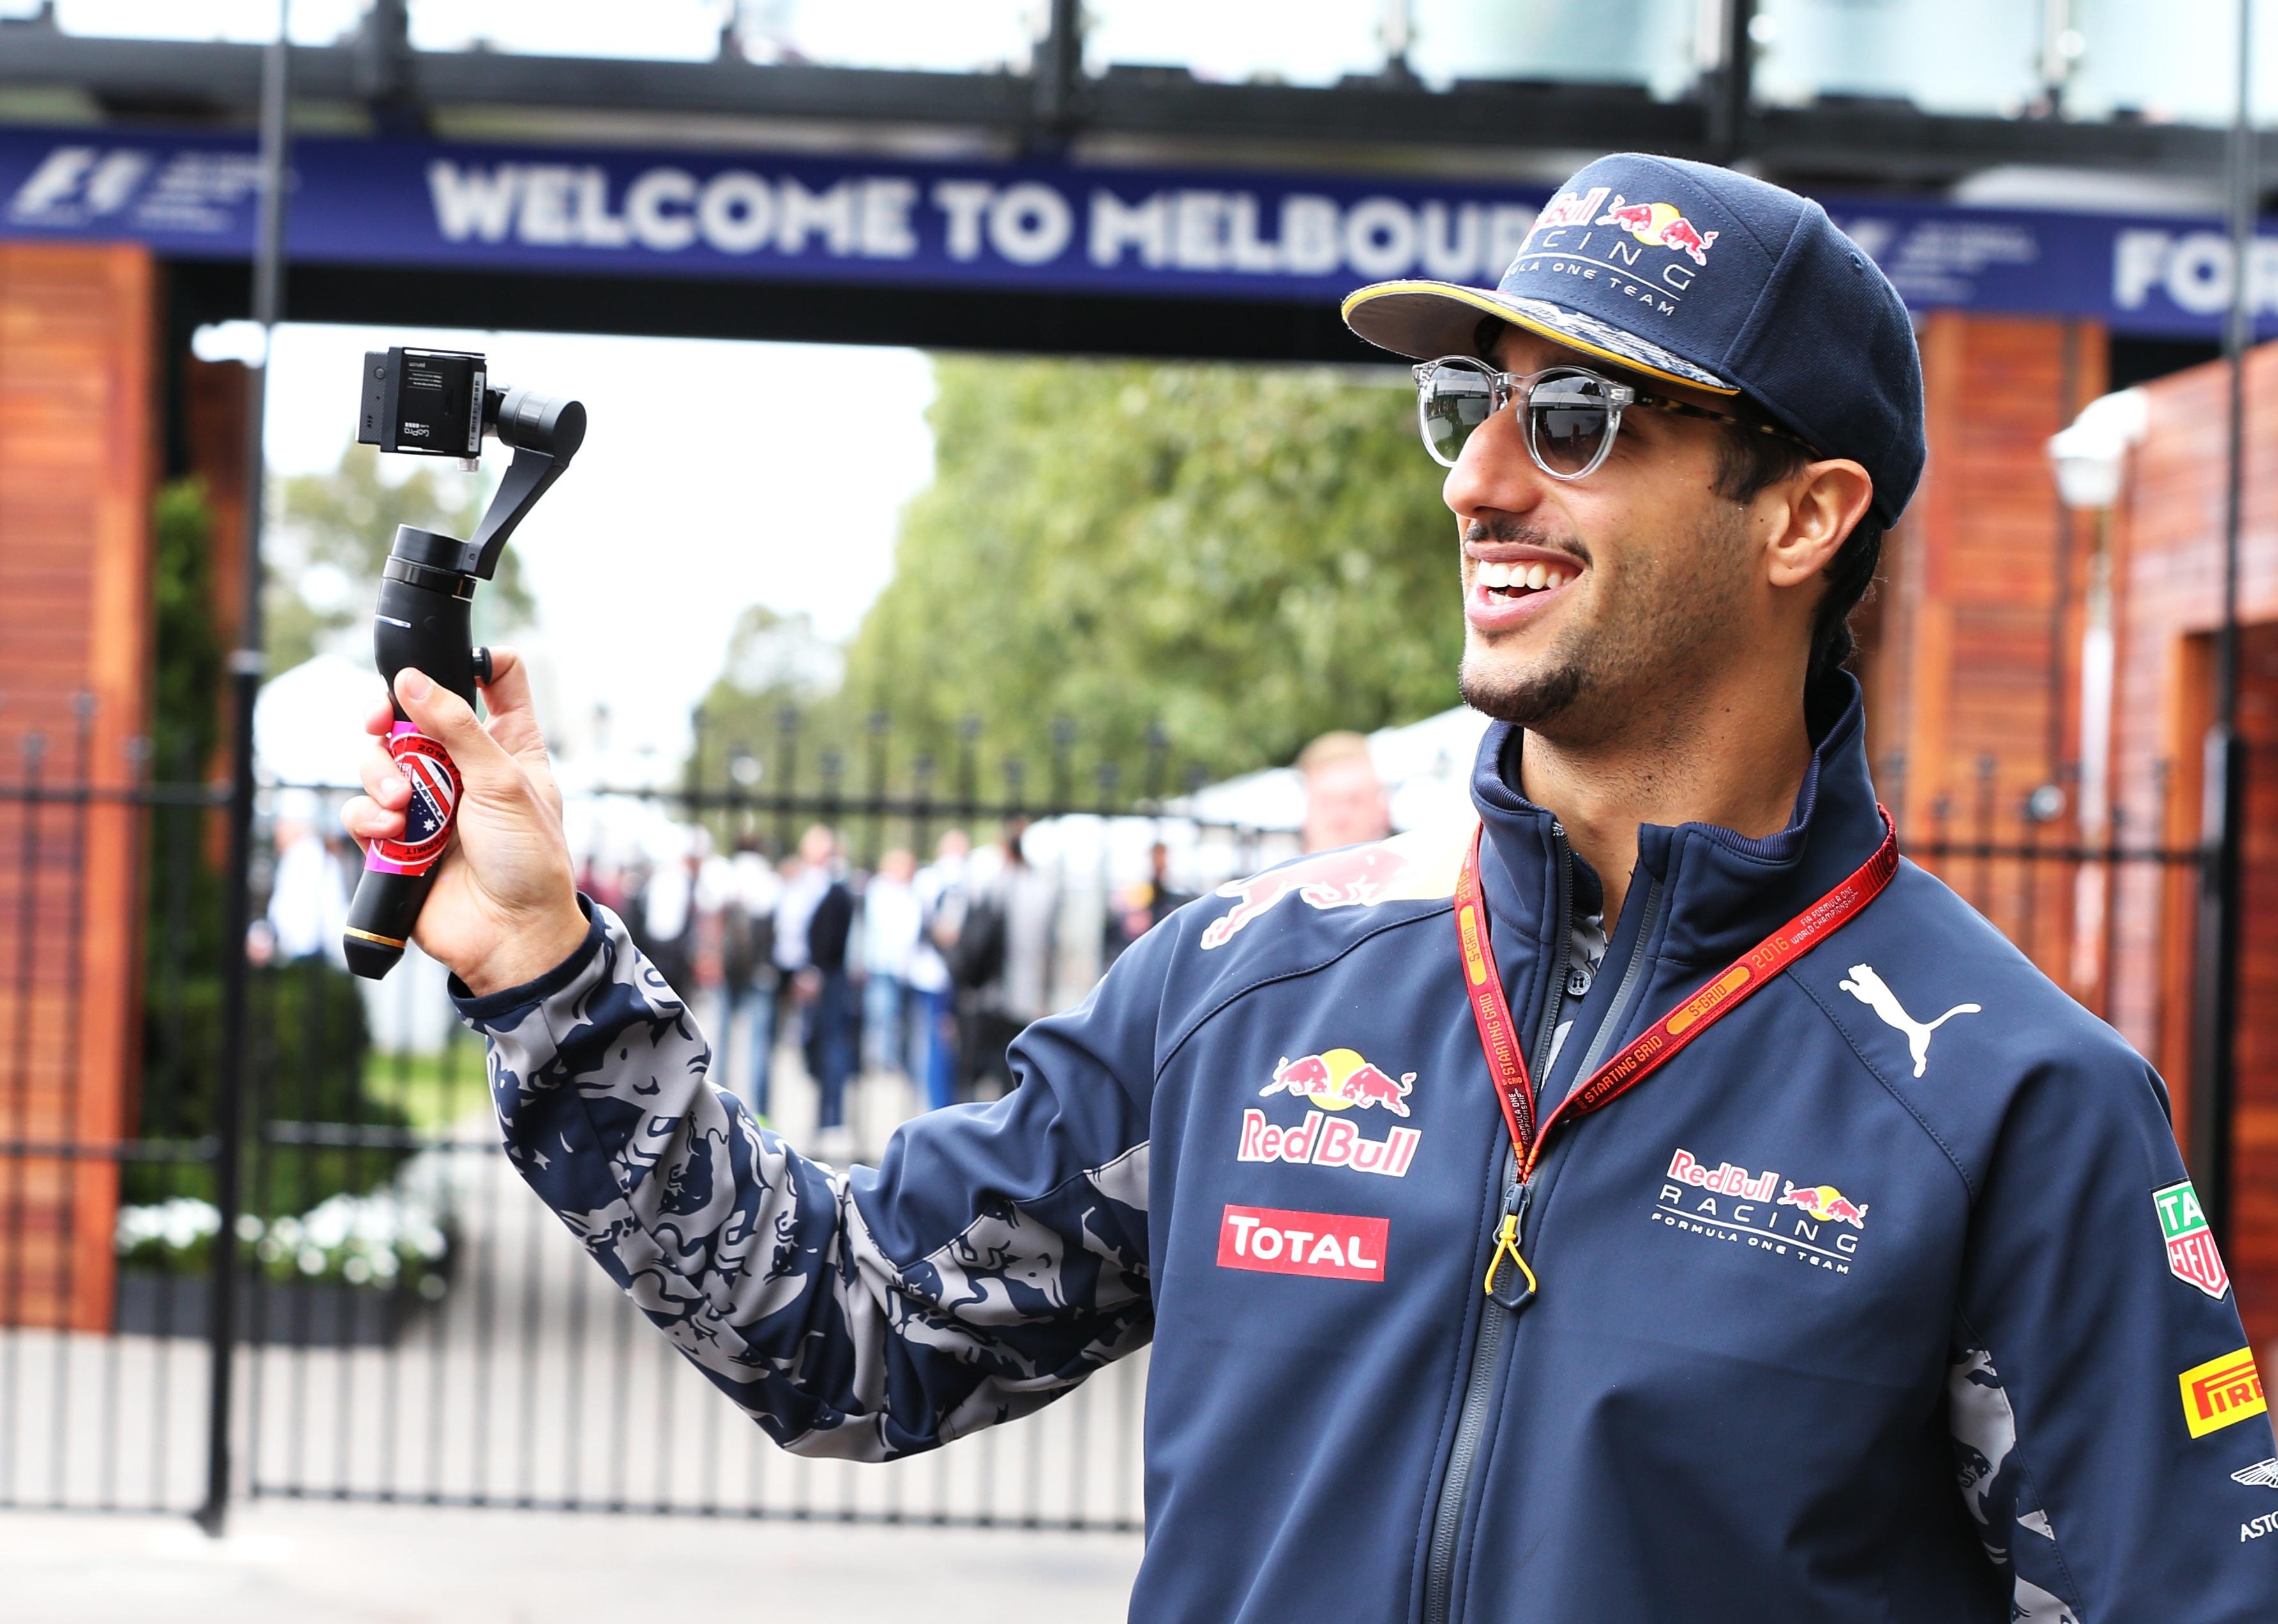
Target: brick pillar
[1974, 651]
[2167, 598]
[79, 327]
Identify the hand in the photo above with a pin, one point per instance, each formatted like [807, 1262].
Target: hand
[503, 908]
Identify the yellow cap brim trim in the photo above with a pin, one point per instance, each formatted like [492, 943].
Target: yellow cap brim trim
[1479, 301]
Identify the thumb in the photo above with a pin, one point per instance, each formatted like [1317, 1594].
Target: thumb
[443, 716]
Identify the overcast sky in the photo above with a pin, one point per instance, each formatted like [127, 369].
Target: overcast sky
[714, 475]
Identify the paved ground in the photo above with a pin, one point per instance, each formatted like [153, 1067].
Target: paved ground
[534, 1380]
[301, 1564]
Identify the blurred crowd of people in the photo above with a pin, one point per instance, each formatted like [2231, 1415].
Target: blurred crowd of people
[926, 971]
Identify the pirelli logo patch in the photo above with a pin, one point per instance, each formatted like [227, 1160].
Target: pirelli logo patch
[2222, 1392]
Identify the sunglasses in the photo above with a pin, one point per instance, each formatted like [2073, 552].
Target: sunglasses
[1570, 414]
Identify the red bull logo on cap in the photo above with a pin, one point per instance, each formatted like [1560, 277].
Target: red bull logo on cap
[1660, 225]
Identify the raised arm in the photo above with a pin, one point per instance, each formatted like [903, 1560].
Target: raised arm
[995, 1257]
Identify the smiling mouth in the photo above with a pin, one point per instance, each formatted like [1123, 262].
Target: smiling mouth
[1510, 583]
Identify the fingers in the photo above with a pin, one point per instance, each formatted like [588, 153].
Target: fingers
[382, 781]
[380, 718]
[367, 820]
[442, 715]
[514, 721]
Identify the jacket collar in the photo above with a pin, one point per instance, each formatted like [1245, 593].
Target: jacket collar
[1722, 892]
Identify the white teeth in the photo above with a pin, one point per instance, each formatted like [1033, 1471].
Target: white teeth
[1523, 577]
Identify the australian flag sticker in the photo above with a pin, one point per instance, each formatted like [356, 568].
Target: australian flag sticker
[2191, 1255]
[435, 786]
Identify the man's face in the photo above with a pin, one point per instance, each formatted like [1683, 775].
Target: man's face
[1644, 570]
[1344, 805]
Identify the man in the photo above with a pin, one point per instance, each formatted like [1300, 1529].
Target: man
[891, 921]
[1004, 954]
[1138, 909]
[1826, 1198]
[1344, 797]
[939, 888]
[802, 880]
[826, 992]
[308, 898]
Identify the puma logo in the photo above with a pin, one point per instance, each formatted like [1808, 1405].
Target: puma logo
[1870, 990]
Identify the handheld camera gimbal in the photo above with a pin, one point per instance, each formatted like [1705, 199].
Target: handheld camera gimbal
[439, 403]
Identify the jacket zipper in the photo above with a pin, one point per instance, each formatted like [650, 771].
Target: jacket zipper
[1494, 1322]
[1617, 1011]
[1495, 1328]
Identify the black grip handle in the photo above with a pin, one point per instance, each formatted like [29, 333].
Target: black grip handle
[423, 621]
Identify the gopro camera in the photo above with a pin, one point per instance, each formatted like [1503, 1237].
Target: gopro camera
[428, 402]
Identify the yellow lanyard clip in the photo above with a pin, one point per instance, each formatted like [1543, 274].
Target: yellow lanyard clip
[1522, 1290]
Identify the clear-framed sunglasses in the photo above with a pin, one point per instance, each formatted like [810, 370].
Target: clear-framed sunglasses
[1568, 414]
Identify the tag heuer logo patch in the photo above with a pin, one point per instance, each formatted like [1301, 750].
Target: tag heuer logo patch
[2191, 1255]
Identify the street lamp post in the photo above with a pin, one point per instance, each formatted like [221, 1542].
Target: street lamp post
[2214, 1080]
[245, 665]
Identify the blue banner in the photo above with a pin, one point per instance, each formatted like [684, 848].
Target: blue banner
[1046, 229]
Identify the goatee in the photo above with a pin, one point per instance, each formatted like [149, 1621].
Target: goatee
[1532, 700]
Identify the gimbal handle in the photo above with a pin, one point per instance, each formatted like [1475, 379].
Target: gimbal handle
[426, 593]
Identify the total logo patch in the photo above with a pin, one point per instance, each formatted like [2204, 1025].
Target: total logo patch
[2222, 1393]
[2191, 1255]
[1328, 1245]
[1818, 1226]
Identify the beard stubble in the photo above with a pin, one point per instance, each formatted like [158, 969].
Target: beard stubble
[1659, 615]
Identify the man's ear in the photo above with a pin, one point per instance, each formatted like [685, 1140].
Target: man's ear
[1824, 504]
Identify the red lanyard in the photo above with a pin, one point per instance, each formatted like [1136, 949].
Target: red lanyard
[1659, 1043]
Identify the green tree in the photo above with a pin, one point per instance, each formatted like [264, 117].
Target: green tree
[306, 1020]
[186, 695]
[332, 537]
[1248, 556]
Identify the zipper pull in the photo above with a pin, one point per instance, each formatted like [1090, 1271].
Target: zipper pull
[1519, 1288]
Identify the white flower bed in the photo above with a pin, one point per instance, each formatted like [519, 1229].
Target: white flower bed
[384, 1239]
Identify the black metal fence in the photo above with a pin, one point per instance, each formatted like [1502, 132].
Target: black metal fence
[411, 1326]
[414, 1327]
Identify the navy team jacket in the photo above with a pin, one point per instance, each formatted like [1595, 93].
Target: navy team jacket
[1886, 1300]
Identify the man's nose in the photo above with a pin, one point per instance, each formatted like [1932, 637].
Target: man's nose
[1493, 473]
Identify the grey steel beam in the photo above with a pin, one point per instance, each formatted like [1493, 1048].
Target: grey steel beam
[1830, 140]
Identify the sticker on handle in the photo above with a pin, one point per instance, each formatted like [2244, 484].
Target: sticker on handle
[427, 821]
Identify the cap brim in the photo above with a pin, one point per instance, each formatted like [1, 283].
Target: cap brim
[1426, 320]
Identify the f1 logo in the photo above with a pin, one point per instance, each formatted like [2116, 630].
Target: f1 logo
[78, 183]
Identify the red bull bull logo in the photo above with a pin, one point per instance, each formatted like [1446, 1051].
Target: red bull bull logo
[1334, 880]
[1826, 1203]
[1660, 225]
[1338, 1080]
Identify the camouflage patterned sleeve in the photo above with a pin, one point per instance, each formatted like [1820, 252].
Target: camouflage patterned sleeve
[995, 1258]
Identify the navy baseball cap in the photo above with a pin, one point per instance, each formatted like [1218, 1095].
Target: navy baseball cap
[1696, 275]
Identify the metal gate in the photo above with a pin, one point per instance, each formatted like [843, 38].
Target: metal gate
[413, 1326]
